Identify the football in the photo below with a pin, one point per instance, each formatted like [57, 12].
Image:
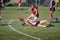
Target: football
[21, 18]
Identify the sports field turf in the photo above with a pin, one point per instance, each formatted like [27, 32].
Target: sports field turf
[18, 32]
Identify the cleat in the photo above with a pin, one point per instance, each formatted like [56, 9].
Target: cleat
[51, 25]
[48, 26]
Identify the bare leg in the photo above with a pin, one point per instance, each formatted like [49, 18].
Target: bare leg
[28, 19]
[0, 17]
[42, 22]
[39, 25]
[51, 16]
[19, 6]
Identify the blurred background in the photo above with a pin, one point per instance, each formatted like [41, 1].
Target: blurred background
[27, 2]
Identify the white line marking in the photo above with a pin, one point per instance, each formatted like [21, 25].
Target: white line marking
[10, 20]
[11, 27]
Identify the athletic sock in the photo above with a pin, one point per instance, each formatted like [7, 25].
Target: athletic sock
[56, 19]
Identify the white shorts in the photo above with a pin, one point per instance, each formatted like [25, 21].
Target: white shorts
[34, 17]
[19, 4]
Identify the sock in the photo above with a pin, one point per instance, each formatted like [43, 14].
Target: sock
[56, 19]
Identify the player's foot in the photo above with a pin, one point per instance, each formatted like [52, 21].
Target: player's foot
[51, 24]
[48, 26]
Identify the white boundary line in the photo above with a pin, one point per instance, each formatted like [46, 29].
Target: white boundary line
[11, 27]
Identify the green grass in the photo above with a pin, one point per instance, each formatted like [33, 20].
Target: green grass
[11, 13]
[24, 0]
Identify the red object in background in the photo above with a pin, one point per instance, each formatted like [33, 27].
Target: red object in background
[19, 1]
[21, 18]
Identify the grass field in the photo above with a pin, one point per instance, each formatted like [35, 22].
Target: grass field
[18, 32]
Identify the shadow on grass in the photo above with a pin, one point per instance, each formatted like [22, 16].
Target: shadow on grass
[3, 24]
[56, 22]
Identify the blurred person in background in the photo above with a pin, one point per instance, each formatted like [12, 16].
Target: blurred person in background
[53, 5]
[3, 3]
[57, 2]
[0, 10]
[19, 4]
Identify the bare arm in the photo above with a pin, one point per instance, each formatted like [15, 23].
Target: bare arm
[55, 3]
[28, 10]
[36, 10]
